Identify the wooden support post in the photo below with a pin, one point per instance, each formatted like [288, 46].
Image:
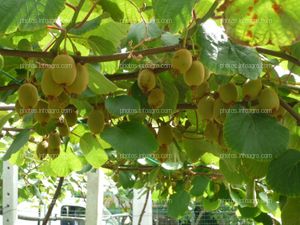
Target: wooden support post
[138, 205]
[95, 191]
[10, 194]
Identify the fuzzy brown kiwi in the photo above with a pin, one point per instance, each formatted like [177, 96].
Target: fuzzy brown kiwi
[228, 93]
[53, 144]
[48, 86]
[146, 80]
[70, 115]
[212, 131]
[162, 153]
[251, 89]
[28, 95]
[64, 71]
[156, 98]
[41, 149]
[206, 108]
[195, 75]
[182, 60]
[200, 91]
[165, 135]
[41, 114]
[63, 128]
[220, 111]
[81, 80]
[96, 121]
[268, 99]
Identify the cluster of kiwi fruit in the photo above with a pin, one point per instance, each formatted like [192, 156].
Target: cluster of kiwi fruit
[212, 106]
[165, 137]
[49, 100]
[194, 72]
[147, 83]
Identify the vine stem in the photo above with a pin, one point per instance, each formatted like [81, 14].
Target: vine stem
[144, 208]
[55, 197]
[291, 111]
[91, 59]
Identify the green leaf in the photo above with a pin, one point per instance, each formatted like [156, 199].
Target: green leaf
[284, 174]
[4, 118]
[122, 105]
[199, 184]
[290, 212]
[131, 138]
[140, 31]
[19, 141]
[251, 133]
[28, 15]
[65, 163]
[99, 84]
[126, 179]
[221, 56]
[178, 204]
[92, 150]
[263, 22]
[175, 14]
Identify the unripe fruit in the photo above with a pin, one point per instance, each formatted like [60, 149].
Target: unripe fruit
[156, 98]
[41, 115]
[54, 140]
[195, 75]
[41, 150]
[228, 93]
[53, 152]
[63, 128]
[146, 80]
[199, 92]
[219, 111]
[165, 135]
[268, 99]
[81, 80]
[182, 60]
[206, 108]
[251, 89]
[28, 96]
[162, 153]
[64, 71]
[212, 131]
[71, 115]
[279, 114]
[96, 121]
[48, 86]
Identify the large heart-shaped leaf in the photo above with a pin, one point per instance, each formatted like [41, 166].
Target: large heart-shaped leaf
[122, 105]
[252, 133]
[222, 56]
[133, 139]
[284, 174]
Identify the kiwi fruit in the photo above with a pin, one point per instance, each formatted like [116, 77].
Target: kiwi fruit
[268, 99]
[219, 111]
[54, 108]
[200, 91]
[41, 149]
[28, 95]
[70, 115]
[156, 98]
[48, 86]
[19, 109]
[162, 153]
[96, 121]
[279, 114]
[206, 108]
[182, 60]
[146, 80]
[165, 135]
[251, 89]
[64, 70]
[63, 128]
[53, 144]
[212, 131]
[195, 75]
[81, 80]
[41, 115]
[228, 93]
